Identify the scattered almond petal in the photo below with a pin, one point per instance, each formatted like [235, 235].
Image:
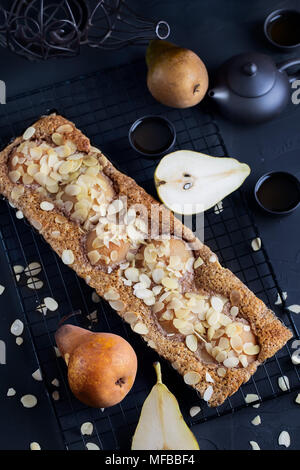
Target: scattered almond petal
[2, 289]
[33, 269]
[284, 383]
[95, 297]
[57, 351]
[19, 215]
[35, 446]
[251, 397]
[87, 429]
[37, 375]
[28, 401]
[296, 357]
[294, 308]
[34, 283]
[11, 392]
[256, 421]
[17, 327]
[50, 303]
[279, 300]
[194, 411]
[55, 395]
[2, 352]
[18, 269]
[256, 244]
[55, 382]
[297, 399]
[284, 439]
[92, 446]
[19, 340]
[218, 208]
[295, 344]
[254, 445]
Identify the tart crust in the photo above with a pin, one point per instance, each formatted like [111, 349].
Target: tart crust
[270, 332]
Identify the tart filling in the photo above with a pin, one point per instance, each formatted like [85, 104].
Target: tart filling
[161, 272]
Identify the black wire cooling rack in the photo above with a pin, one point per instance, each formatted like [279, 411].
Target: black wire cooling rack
[104, 105]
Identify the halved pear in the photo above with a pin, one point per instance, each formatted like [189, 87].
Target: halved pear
[161, 425]
[189, 182]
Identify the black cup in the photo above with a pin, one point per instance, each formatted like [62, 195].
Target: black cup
[166, 126]
[290, 20]
[291, 182]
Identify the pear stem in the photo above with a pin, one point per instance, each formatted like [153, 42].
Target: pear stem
[157, 368]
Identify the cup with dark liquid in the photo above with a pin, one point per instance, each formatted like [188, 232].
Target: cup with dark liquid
[282, 29]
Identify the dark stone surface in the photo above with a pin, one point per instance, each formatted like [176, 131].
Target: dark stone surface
[215, 29]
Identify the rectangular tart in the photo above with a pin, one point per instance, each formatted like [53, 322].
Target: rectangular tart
[167, 284]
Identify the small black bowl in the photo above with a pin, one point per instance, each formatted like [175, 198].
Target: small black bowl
[152, 126]
[273, 17]
[286, 183]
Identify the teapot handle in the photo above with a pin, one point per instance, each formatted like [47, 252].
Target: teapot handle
[289, 63]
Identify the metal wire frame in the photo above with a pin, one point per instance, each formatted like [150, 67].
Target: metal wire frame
[104, 105]
[42, 29]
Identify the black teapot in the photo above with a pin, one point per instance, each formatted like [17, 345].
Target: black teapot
[251, 88]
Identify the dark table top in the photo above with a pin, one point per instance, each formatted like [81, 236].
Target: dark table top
[215, 29]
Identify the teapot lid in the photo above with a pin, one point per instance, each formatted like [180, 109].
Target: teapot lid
[251, 74]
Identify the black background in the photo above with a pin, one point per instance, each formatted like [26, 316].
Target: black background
[216, 30]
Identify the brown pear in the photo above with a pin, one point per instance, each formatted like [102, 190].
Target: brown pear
[177, 77]
[101, 366]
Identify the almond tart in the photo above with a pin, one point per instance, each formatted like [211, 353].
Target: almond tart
[151, 269]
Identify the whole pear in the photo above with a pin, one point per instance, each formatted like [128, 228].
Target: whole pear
[101, 366]
[176, 77]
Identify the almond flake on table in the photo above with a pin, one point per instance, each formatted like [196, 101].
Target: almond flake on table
[55, 382]
[19, 340]
[296, 357]
[92, 446]
[218, 208]
[95, 297]
[42, 308]
[279, 300]
[295, 344]
[57, 351]
[35, 446]
[256, 421]
[18, 269]
[294, 308]
[33, 269]
[87, 428]
[194, 411]
[19, 215]
[251, 397]
[2, 289]
[55, 395]
[37, 375]
[11, 392]
[297, 399]
[51, 304]
[34, 283]
[284, 383]
[256, 244]
[28, 401]
[17, 327]
[254, 445]
[284, 439]
[2, 352]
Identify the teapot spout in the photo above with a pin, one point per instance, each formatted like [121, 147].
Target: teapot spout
[218, 93]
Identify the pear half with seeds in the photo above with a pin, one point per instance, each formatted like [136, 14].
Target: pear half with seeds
[189, 182]
[161, 425]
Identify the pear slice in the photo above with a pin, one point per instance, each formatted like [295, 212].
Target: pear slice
[189, 182]
[161, 425]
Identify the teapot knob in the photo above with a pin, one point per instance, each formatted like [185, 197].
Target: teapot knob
[249, 69]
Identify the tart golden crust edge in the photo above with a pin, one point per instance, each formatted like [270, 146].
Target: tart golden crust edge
[271, 333]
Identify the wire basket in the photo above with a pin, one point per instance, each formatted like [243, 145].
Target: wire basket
[104, 105]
